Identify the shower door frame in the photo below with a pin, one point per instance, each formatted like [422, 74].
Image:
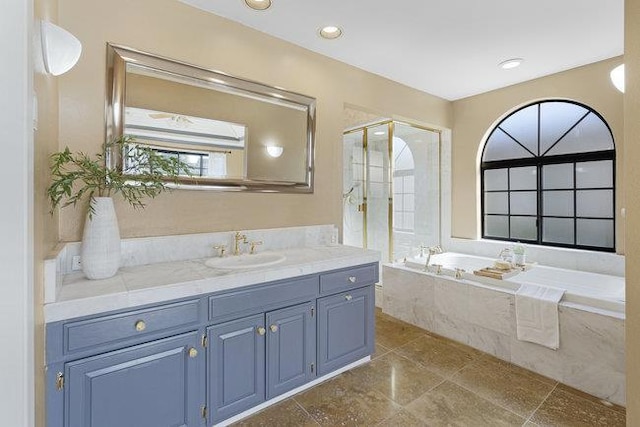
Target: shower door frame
[365, 182]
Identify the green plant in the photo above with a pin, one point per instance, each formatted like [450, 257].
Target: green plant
[145, 173]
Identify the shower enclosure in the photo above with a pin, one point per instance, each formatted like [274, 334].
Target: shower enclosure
[391, 188]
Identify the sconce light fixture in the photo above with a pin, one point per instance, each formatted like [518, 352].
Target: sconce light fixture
[60, 49]
[275, 150]
[617, 77]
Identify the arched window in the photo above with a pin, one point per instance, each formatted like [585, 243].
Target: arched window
[548, 178]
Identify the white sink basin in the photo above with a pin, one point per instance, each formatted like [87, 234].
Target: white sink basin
[245, 261]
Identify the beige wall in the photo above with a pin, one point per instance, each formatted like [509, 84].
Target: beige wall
[474, 116]
[632, 177]
[45, 224]
[172, 29]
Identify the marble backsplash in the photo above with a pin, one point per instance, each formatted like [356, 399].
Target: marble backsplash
[152, 250]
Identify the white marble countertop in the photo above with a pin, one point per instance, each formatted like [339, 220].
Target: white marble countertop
[154, 283]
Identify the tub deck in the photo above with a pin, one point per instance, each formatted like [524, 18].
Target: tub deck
[595, 290]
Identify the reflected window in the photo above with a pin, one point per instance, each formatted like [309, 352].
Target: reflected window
[548, 178]
[201, 164]
[403, 187]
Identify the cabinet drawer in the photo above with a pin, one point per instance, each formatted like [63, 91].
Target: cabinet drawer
[262, 298]
[343, 280]
[104, 330]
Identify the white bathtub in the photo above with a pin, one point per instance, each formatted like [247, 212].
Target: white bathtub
[598, 291]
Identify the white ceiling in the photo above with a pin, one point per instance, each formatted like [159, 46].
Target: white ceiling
[449, 48]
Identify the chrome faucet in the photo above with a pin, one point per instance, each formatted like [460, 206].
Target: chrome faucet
[432, 251]
[239, 237]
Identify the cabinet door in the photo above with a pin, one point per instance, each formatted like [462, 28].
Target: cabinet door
[291, 348]
[149, 385]
[236, 363]
[345, 328]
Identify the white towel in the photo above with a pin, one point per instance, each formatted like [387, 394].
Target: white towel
[537, 315]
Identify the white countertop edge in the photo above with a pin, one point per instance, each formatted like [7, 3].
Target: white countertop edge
[64, 310]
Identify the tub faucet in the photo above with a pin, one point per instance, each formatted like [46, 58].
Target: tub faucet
[432, 251]
[422, 249]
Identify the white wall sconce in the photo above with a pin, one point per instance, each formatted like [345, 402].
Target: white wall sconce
[617, 77]
[60, 49]
[275, 150]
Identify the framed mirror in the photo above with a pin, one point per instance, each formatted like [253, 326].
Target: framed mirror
[235, 134]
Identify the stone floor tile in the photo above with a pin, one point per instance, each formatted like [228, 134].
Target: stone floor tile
[403, 418]
[594, 399]
[392, 333]
[452, 405]
[398, 378]
[563, 408]
[504, 384]
[438, 354]
[339, 403]
[284, 414]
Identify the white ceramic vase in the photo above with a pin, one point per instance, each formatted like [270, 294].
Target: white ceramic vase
[101, 241]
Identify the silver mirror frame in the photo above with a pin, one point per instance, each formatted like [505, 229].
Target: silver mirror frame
[117, 59]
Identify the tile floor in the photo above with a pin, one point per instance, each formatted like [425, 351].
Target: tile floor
[420, 379]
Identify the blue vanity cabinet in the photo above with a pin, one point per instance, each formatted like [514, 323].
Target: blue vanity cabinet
[203, 359]
[236, 366]
[291, 348]
[258, 357]
[345, 328]
[149, 385]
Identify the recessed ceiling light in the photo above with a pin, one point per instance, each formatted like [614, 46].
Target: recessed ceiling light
[258, 4]
[511, 63]
[330, 32]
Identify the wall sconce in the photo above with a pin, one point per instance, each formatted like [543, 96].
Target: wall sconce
[275, 150]
[617, 77]
[60, 49]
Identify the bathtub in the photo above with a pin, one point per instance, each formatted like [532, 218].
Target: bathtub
[585, 289]
[480, 312]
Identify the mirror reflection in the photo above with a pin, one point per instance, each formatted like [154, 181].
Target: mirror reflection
[212, 148]
[234, 133]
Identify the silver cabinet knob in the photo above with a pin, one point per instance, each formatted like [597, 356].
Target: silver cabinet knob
[348, 297]
[274, 328]
[352, 279]
[261, 330]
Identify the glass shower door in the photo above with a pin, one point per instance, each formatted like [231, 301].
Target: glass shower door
[391, 189]
[416, 189]
[378, 189]
[353, 185]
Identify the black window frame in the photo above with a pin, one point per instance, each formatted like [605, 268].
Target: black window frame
[539, 161]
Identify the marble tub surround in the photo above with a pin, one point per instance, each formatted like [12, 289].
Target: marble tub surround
[397, 389]
[137, 285]
[162, 249]
[591, 353]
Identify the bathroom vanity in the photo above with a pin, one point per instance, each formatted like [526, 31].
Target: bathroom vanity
[233, 341]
